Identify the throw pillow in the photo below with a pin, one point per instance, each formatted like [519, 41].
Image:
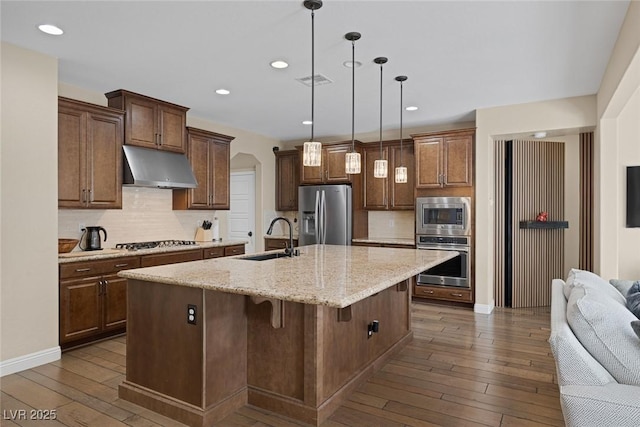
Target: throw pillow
[636, 327]
[633, 299]
[603, 327]
[591, 280]
[622, 285]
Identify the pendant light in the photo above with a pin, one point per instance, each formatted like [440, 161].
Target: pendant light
[312, 150]
[380, 166]
[401, 171]
[352, 159]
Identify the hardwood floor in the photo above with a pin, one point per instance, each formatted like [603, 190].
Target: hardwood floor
[462, 369]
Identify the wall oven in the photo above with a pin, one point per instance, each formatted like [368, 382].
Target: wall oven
[454, 272]
[442, 216]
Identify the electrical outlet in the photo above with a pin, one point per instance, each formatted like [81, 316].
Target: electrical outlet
[81, 226]
[192, 314]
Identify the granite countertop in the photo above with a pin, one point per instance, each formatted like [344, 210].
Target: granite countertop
[388, 241]
[331, 275]
[116, 253]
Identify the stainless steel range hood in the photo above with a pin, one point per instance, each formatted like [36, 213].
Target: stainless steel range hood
[146, 167]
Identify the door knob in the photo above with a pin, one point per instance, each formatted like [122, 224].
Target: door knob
[250, 234]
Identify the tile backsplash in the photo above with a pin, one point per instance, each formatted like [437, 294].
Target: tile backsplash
[146, 215]
[392, 224]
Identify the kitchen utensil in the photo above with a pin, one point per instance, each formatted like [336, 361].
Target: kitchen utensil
[90, 239]
[66, 245]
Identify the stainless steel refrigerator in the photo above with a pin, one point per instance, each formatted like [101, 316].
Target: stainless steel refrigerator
[325, 214]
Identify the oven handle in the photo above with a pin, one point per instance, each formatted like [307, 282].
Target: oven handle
[446, 248]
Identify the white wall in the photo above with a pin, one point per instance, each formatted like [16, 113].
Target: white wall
[564, 116]
[28, 204]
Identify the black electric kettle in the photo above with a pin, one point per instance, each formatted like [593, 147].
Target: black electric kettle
[90, 240]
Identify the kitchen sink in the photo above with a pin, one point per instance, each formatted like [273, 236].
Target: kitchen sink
[264, 257]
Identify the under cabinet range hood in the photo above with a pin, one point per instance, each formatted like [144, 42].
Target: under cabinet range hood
[146, 167]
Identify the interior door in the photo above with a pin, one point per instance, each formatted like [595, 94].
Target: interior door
[242, 220]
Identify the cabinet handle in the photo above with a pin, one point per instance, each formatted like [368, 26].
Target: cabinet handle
[82, 270]
[84, 195]
[453, 294]
[89, 199]
[100, 288]
[160, 139]
[122, 265]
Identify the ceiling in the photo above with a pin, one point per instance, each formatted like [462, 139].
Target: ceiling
[458, 56]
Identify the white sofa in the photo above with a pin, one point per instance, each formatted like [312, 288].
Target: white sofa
[599, 386]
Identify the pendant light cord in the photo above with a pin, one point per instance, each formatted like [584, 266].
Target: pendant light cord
[380, 111]
[353, 94]
[401, 123]
[313, 77]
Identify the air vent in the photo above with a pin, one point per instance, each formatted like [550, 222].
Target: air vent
[319, 80]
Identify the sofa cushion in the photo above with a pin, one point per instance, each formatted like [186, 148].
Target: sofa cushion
[636, 327]
[603, 327]
[591, 280]
[622, 285]
[633, 299]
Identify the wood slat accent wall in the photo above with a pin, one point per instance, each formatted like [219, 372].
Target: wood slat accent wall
[538, 255]
[585, 261]
[499, 258]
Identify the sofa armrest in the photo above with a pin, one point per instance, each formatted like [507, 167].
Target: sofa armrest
[609, 405]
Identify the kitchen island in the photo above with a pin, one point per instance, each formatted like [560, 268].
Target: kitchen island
[292, 335]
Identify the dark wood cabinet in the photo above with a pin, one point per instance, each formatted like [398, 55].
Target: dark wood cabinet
[332, 169]
[233, 250]
[209, 155]
[150, 122]
[89, 155]
[171, 257]
[444, 159]
[385, 193]
[213, 252]
[93, 300]
[287, 180]
[443, 293]
[271, 244]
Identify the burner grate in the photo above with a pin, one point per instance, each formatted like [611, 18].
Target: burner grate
[134, 246]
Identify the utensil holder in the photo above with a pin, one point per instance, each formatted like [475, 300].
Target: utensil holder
[203, 235]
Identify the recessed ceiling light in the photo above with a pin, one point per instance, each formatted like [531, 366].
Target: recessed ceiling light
[50, 29]
[279, 64]
[349, 64]
[411, 108]
[222, 92]
[539, 134]
[306, 122]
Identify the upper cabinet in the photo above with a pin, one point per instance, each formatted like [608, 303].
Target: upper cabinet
[385, 193]
[444, 159]
[209, 155]
[332, 168]
[151, 123]
[287, 180]
[89, 155]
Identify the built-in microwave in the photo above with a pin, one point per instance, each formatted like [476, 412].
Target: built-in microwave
[443, 216]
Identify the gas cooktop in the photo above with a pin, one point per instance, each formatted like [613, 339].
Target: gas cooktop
[154, 244]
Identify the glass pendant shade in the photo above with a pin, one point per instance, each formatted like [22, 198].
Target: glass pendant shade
[401, 175]
[352, 163]
[380, 169]
[311, 153]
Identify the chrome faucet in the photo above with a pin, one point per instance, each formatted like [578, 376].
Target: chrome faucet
[289, 251]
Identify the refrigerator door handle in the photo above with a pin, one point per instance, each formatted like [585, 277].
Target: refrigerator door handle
[317, 218]
[323, 203]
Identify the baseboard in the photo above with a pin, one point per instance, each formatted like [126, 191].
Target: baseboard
[28, 361]
[483, 308]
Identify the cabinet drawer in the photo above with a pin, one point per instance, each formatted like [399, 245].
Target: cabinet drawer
[213, 253]
[171, 258]
[233, 250]
[451, 294]
[272, 244]
[91, 268]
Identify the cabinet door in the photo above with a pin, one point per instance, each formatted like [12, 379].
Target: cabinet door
[312, 174]
[428, 154]
[141, 122]
[220, 175]
[114, 302]
[104, 145]
[375, 189]
[199, 159]
[334, 158]
[458, 161]
[402, 195]
[287, 181]
[72, 157]
[172, 128]
[233, 250]
[80, 308]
